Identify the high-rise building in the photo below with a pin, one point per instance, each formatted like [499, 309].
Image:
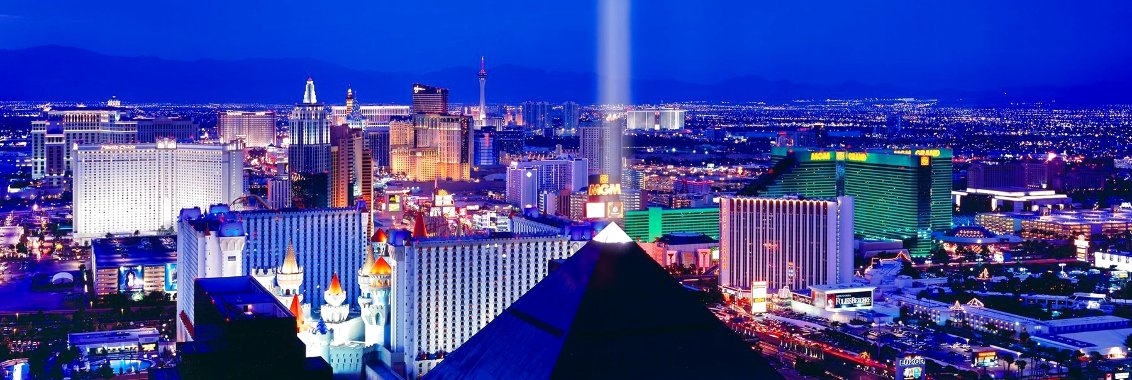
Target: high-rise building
[325, 241]
[661, 120]
[786, 242]
[601, 145]
[446, 289]
[309, 152]
[486, 152]
[432, 146]
[901, 194]
[174, 128]
[208, 245]
[377, 139]
[522, 185]
[60, 129]
[536, 117]
[351, 174]
[255, 128]
[570, 115]
[526, 179]
[429, 99]
[142, 187]
[481, 117]
[279, 191]
[654, 222]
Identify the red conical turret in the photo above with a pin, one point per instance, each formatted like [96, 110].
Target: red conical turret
[419, 230]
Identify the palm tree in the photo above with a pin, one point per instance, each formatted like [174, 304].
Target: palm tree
[1044, 368]
[1021, 367]
[1009, 360]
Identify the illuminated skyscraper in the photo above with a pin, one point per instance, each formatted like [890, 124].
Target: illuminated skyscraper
[351, 174]
[536, 117]
[428, 99]
[255, 128]
[126, 188]
[431, 144]
[377, 139]
[60, 129]
[901, 194]
[308, 155]
[601, 145]
[208, 245]
[309, 152]
[570, 115]
[786, 242]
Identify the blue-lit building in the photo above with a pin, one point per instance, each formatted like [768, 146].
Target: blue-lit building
[326, 241]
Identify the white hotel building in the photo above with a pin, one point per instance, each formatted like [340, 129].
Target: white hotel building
[142, 187]
[447, 289]
[788, 242]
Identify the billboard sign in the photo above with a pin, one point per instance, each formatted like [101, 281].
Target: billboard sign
[987, 358]
[849, 300]
[130, 279]
[910, 367]
[171, 278]
[758, 296]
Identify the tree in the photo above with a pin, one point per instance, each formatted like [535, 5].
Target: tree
[1128, 341]
[1021, 367]
[1009, 360]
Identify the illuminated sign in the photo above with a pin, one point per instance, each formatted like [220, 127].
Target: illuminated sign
[595, 209]
[615, 210]
[849, 300]
[602, 187]
[170, 277]
[149, 347]
[1082, 244]
[986, 359]
[131, 279]
[790, 269]
[925, 161]
[117, 147]
[910, 368]
[927, 152]
[605, 189]
[857, 156]
[821, 156]
[758, 296]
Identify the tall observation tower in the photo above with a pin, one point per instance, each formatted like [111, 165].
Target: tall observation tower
[481, 119]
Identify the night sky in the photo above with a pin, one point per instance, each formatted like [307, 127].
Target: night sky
[944, 44]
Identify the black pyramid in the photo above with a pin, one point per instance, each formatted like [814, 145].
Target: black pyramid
[608, 312]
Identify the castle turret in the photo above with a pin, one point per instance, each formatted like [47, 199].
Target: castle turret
[336, 310]
[374, 279]
[289, 276]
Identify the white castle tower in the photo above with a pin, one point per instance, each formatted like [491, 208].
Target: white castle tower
[374, 280]
[284, 282]
[336, 310]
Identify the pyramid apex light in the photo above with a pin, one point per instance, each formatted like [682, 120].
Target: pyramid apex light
[612, 234]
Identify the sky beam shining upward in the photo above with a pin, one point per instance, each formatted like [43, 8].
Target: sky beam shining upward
[613, 52]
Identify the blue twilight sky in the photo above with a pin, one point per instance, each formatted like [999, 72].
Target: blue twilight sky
[929, 44]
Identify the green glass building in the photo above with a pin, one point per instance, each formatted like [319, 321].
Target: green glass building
[649, 225]
[902, 194]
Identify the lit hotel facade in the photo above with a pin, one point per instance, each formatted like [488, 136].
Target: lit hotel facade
[794, 243]
[142, 187]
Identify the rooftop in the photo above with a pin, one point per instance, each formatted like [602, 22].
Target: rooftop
[126, 335]
[685, 238]
[134, 250]
[242, 298]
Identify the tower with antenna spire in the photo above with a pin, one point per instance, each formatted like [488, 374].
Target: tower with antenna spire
[481, 118]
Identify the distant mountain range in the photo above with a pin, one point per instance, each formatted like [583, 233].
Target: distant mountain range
[57, 73]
